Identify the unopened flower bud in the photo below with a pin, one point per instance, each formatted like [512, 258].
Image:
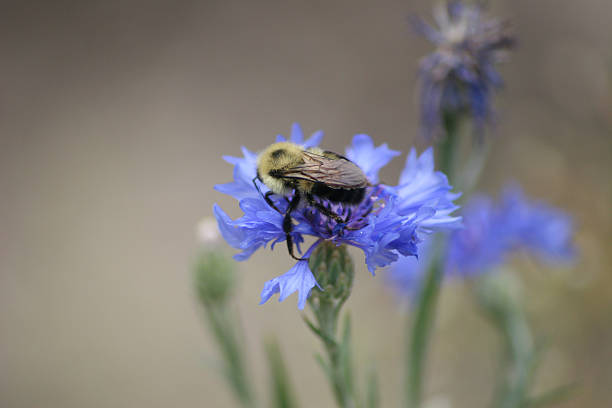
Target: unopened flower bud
[500, 292]
[333, 269]
[215, 277]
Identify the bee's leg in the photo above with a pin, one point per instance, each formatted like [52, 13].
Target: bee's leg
[269, 201]
[348, 215]
[288, 225]
[265, 196]
[361, 217]
[324, 210]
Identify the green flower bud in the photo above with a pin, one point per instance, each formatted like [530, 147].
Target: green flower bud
[215, 277]
[500, 293]
[333, 269]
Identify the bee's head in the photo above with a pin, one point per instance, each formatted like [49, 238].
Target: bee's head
[278, 156]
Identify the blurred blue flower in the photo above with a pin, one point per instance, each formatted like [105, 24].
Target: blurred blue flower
[492, 232]
[544, 231]
[486, 239]
[459, 76]
[387, 224]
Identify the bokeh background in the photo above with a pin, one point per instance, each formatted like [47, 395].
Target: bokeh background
[113, 119]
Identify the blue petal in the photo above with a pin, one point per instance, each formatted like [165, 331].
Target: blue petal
[426, 30]
[245, 169]
[314, 140]
[239, 188]
[297, 136]
[388, 234]
[419, 186]
[299, 278]
[380, 253]
[406, 276]
[234, 236]
[369, 158]
[416, 166]
[259, 225]
[483, 243]
[493, 231]
[545, 231]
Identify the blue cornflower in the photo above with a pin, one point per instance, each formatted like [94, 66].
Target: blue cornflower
[542, 230]
[388, 223]
[459, 76]
[492, 232]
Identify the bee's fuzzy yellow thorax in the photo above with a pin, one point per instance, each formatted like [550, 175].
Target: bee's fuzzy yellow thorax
[278, 156]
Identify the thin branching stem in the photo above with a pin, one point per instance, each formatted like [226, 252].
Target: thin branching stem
[424, 314]
[327, 318]
[223, 326]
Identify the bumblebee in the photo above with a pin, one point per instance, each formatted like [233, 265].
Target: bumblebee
[308, 175]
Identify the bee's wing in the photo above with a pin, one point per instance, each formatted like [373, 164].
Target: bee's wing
[333, 172]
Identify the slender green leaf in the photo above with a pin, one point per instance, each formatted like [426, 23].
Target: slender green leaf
[372, 399]
[553, 396]
[346, 356]
[318, 331]
[281, 390]
[324, 366]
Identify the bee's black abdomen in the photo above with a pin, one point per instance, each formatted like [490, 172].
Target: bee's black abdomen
[338, 195]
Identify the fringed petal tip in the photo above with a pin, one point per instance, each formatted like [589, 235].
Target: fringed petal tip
[299, 278]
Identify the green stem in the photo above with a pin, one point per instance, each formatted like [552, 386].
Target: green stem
[281, 390]
[471, 171]
[224, 328]
[447, 152]
[327, 317]
[514, 388]
[334, 272]
[499, 295]
[420, 328]
[423, 318]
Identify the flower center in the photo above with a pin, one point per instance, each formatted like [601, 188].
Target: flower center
[346, 217]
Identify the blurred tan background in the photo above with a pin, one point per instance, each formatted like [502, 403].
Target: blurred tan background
[113, 119]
